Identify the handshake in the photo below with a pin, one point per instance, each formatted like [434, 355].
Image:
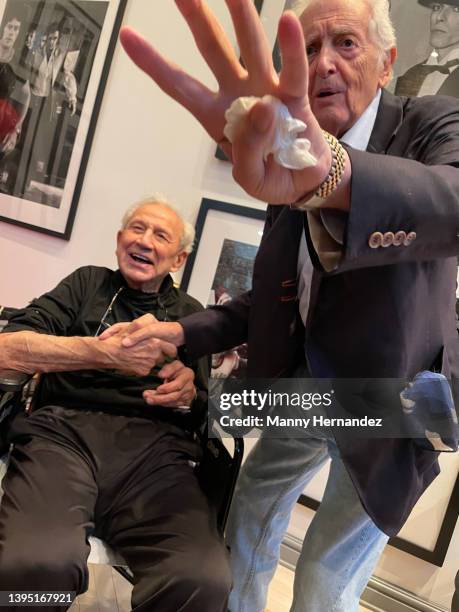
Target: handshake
[137, 346]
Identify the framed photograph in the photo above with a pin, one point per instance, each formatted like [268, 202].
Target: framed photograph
[428, 48]
[427, 540]
[221, 266]
[55, 57]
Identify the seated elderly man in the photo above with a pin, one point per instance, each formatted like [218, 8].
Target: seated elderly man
[110, 449]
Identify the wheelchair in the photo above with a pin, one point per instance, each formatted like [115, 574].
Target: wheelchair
[217, 472]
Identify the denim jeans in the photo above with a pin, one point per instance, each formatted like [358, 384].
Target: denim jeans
[342, 544]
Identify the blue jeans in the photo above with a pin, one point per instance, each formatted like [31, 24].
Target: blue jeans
[342, 544]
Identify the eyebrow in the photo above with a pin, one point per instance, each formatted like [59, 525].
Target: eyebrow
[337, 31]
[145, 224]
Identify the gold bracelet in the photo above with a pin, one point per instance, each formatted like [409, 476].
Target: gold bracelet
[335, 175]
[315, 199]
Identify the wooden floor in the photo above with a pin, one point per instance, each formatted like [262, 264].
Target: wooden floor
[110, 592]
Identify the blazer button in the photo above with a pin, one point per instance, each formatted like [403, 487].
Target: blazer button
[375, 240]
[410, 237]
[388, 239]
[399, 238]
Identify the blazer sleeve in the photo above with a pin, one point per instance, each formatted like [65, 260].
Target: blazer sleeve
[417, 193]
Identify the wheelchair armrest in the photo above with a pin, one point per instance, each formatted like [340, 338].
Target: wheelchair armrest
[13, 381]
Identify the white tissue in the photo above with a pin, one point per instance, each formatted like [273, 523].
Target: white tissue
[288, 150]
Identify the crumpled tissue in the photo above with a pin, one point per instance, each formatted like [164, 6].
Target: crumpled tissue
[288, 150]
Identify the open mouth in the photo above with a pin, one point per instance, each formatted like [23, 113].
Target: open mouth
[140, 259]
[326, 93]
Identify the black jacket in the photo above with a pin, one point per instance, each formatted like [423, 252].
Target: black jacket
[75, 308]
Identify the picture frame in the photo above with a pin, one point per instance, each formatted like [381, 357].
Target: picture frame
[440, 502]
[61, 56]
[421, 44]
[219, 221]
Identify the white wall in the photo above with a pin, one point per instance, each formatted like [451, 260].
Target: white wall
[145, 143]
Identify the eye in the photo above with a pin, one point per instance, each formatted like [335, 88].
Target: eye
[310, 50]
[347, 43]
[136, 227]
[435, 7]
[162, 236]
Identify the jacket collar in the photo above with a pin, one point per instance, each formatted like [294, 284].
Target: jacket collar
[166, 291]
[388, 121]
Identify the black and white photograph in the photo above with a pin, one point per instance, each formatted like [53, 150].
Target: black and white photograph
[428, 47]
[52, 58]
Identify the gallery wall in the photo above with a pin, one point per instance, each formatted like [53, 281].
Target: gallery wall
[145, 143]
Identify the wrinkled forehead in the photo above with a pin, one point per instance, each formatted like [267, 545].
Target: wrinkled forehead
[154, 214]
[336, 16]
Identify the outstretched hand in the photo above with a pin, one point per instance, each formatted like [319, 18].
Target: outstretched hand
[263, 179]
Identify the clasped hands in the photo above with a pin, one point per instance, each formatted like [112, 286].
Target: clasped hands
[263, 179]
[144, 343]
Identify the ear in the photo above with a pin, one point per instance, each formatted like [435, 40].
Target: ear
[386, 72]
[180, 259]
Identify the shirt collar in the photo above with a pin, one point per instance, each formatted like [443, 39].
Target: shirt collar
[433, 58]
[358, 136]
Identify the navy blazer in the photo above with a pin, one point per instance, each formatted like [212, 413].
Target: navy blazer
[384, 312]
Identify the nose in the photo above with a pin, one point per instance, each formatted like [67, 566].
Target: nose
[326, 64]
[440, 15]
[146, 239]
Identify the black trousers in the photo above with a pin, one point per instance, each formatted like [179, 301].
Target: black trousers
[128, 480]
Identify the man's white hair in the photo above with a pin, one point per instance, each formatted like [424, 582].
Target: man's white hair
[380, 26]
[187, 238]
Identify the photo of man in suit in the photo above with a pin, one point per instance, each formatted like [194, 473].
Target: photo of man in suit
[438, 73]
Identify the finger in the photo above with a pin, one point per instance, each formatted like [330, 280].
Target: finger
[255, 132]
[142, 322]
[252, 40]
[295, 68]
[171, 369]
[176, 83]
[169, 400]
[212, 41]
[174, 386]
[141, 333]
[113, 330]
[168, 349]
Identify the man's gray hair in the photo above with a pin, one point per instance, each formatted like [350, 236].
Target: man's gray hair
[380, 26]
[187, 238]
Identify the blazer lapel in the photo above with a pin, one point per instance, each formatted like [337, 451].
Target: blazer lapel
[388, 121]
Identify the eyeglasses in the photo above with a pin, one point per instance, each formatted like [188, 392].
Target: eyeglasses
[104, 324]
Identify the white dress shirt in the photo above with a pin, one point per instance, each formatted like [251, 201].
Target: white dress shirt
[435, 80]
[324, 229]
